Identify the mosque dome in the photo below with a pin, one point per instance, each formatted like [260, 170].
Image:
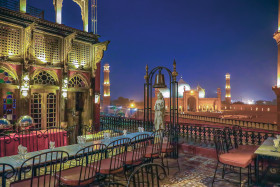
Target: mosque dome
[165, 92]
[201, 92]
[182, 85]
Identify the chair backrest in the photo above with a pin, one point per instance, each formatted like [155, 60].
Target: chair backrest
[237, 134]
[6, 172]
[117, 151]
[220, 142]
[147, 175]
[5, 140]
[228, 138]
[139, 144]
[157, 141]
[39, 168]
[90, 158]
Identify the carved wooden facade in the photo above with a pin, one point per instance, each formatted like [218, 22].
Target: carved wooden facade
[48, 71]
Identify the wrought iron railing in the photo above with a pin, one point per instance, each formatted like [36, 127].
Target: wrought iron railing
[242, 123]
[15, 6]
[192, 134]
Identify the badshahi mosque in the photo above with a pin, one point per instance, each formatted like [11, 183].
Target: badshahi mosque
[191, 99]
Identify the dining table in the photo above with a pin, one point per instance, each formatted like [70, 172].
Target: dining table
[268, 153]
[16, 160]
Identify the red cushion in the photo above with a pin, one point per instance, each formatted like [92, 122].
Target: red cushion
[245, 149]
[72, 176]
[236, 159]
[110, 167]
[134, 159]
[167, 148]
[150, 153]
[46, 180]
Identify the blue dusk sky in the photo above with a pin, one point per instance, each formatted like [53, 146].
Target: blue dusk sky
[208, 38]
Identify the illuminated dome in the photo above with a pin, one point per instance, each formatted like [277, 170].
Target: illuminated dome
[165, 92]
[201, 92]
[181, 86]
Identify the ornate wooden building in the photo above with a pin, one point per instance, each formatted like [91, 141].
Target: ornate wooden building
[48, 70]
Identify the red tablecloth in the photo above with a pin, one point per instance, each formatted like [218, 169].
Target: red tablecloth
[34, 141]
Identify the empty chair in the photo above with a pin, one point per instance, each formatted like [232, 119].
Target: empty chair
[147, 175]
[136, 155]
[153, 151]
[236, 159]
[115, 158]
[40, 170]
[169, 149]
[6, 172]
[87, 167]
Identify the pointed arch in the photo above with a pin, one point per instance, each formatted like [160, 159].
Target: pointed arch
[8, 75]
[78, 81]
[44, 77]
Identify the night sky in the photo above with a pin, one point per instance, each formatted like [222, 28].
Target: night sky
[207, 38]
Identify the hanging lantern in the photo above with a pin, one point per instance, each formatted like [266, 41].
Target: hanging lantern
[159, 81]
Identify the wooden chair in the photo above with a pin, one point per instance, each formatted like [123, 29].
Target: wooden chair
[153, 150]
[6, 172]
[86, 171]
[235, 159]
[147, 175]
[40, 170]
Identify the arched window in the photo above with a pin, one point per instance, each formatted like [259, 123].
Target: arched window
[45, 78]
[6, 77]
[77, 82]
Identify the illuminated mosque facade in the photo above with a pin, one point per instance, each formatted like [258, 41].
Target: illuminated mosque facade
[191, 99]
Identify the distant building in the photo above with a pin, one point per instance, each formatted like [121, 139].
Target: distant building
[191, 99]
[106, 87]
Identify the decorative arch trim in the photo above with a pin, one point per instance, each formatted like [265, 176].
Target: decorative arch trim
[50, 72]
[78, 81]
[10, 71]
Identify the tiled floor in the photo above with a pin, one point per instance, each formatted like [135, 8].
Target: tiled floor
[197, 171]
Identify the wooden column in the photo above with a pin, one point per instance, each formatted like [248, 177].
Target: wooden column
[96, 112]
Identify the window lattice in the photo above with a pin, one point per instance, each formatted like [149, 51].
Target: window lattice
[9, 40]
[36, 108]
[80, 54]
[47, 48]
[44, 78]
[5, 77]
[51, 110]
[76, 82]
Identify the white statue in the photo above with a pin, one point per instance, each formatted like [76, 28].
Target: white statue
[159, 112]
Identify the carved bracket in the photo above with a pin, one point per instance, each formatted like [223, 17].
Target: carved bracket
[28, 35]
[68, 40]
[98, 52]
